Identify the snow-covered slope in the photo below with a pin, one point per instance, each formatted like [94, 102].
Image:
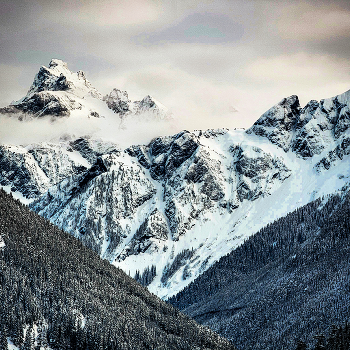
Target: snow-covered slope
[182, 201]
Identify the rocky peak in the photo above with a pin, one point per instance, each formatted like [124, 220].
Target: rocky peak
[278, 122]
[150, 105]
[57, 63]
[55, 91]
[306, 131]
[147, 109]
[118, 101]
[148, 101]
[57, 77]
[282, 114]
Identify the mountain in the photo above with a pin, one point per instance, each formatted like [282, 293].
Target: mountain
[167, 210]
[148, 107]
[57, 294]
[288, 282]
[57, 92]
[183, 201]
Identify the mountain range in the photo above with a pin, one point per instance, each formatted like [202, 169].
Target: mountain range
[167, 210]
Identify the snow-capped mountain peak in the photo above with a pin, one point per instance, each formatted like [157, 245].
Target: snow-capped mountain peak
[58, 92]
[306, 131]
[57, 77]
[148, 108]
[118, 101]
[149, 104]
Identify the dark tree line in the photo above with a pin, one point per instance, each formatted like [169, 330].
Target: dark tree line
[289, 281]
[51, 283]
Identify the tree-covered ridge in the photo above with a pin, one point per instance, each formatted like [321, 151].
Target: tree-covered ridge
[56, 293]
[289, 281]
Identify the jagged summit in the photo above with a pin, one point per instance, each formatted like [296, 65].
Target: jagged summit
[277, 123]
[57, 63]
[118, 101]
[149, 104]
[58, 92]
[148, 107]
[57, 77]
[306, 131]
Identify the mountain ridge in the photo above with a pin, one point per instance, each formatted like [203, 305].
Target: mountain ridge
[58, 92]
[180, 202]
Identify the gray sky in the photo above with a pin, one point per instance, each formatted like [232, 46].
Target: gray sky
[202, 59]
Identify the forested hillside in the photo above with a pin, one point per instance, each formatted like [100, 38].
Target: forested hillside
[288, 282]
[55, 293]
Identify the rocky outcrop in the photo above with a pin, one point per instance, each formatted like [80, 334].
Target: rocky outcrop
[33, 169]
[307, 131]
[278, 123]
[146, 109]
[148, 236]
[257, 172]
[118, 101]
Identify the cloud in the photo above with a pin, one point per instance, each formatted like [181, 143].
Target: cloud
[197, 103]
[308, 22]
[299, 67]
[135, 130]
[9, 77]
[196, 28]
[310, 76]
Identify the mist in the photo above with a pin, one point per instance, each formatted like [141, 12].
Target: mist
[134, 130]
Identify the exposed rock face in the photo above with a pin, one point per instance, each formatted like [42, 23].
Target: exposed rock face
[257, 172]
[146, 109]
[307, 131]
[118, 101]
[147, 236]
[101, 202]
[278, 122]
[32, 170]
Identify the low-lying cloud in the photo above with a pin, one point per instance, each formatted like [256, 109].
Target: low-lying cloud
[134, 130]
